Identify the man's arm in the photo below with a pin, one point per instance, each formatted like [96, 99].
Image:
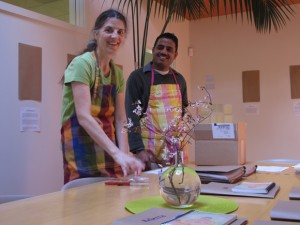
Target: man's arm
[133, 95]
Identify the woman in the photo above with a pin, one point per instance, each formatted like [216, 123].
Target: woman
[93, 112]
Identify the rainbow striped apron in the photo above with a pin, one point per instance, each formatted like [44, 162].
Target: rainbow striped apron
[81, 156]
[162, 98]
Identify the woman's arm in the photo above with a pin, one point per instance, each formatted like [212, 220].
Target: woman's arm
[82, 101]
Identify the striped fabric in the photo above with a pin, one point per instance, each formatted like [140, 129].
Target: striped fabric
[162, 98]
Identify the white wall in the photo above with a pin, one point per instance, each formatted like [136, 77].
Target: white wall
[30, 162]
[224, 48]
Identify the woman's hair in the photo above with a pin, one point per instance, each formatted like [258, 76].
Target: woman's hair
[100, 21]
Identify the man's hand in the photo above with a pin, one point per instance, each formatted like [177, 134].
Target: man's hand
[146, 156]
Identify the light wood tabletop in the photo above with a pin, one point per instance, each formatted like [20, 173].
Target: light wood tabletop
[100, 204]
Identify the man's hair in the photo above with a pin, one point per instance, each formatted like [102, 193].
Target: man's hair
[168, 36]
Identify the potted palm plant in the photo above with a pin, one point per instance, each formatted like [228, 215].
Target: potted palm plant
[264, 14]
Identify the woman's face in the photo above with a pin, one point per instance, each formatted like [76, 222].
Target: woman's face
[110, 36]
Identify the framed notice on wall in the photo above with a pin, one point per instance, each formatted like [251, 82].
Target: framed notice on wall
[251, 86]
[30, 72]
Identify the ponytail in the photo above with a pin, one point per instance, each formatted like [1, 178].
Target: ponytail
[91, 46]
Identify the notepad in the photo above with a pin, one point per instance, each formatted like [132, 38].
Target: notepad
[254, 187]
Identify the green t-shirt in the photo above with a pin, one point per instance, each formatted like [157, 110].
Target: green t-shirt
[83, 69]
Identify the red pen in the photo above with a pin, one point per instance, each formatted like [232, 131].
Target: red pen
[118, 182]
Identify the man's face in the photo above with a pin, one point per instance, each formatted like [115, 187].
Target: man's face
[164, 54]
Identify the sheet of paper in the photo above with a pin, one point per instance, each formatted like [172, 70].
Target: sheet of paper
[157, 171]
[297, 108]
[223, 130]
[271, 168]
[297, 167]
[29, 119]
[252, 109]
[227, 109]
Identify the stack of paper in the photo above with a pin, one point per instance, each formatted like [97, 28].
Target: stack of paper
[222, 174]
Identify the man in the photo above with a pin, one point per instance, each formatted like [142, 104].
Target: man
[158, 88]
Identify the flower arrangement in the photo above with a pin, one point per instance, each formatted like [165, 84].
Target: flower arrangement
[180, 131]
[179, 185]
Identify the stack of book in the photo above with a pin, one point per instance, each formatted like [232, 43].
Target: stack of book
[222, 174]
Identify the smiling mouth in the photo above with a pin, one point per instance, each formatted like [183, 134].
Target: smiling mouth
[163, 56]
[113, 45]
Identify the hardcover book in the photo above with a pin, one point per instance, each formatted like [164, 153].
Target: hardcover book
[295, 193]
[272, 222]
[254, 187]
[226, 189]
[250, 169]
[286, 210]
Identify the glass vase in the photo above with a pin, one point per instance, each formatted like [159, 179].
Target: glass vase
[179, 186]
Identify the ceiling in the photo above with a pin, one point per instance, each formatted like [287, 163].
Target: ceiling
[223, 12]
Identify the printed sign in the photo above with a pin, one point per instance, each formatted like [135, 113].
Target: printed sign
[223, 131]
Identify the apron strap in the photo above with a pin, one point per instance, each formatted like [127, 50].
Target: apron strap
[152, 76]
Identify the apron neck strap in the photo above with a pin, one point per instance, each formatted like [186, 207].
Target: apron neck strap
[152, 76]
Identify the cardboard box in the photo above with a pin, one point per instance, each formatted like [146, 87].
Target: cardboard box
[219, 151]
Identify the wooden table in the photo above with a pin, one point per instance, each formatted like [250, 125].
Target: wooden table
[98, 204]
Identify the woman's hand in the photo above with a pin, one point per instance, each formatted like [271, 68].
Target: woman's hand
[129, 164]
